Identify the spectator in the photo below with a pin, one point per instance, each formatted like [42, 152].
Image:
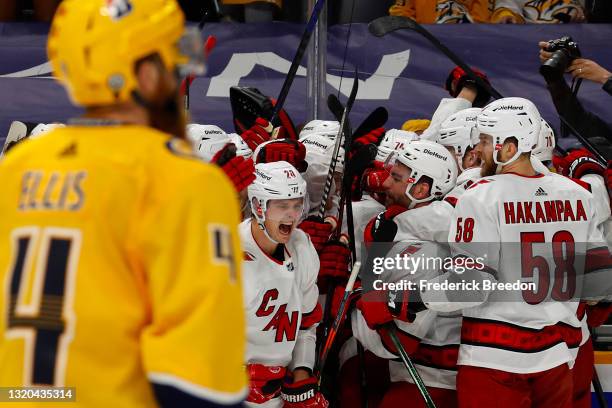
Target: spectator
[538, 11]
[42, 10]
[442, 11]
[592, 71]
[589, 125]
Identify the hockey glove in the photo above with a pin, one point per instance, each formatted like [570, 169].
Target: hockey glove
[598, 314]
[380, 307]
[373, 178]
[382, 228]
[287, 150]
[373, 137]
[358, 163]
[335, 258]
[581, 162]
[240, 170]
[318, 230]
[608, 180]
[458, 78]
[264, 382]
[303, 394]
[260, 132]
[287, 128]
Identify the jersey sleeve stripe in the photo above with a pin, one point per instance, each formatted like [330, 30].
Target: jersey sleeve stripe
[194, 390]
[311, 318]
[597, 259]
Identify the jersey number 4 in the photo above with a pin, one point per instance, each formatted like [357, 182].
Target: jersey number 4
[42, 278]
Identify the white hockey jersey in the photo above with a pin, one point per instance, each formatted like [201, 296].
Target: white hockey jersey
[536, 230]
[363, 211]
[280, 299]
[464, 181]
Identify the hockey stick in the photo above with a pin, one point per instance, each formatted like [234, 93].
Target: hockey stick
[329, 341]
[376, 119]
[414, 374]
[332, 103]
[210, 43]
[385, 25]
[297, 59]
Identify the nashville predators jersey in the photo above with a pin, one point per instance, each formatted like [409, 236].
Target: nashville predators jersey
[119, 260]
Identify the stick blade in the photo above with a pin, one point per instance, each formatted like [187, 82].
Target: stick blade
[387, 24]
[377, 119]
[335, 106]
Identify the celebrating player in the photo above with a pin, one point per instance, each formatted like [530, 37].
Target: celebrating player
[280, 292]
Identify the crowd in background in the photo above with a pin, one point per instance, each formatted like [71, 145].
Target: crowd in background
[345, 11]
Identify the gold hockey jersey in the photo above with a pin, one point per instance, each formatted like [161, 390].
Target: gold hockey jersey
[120, 264]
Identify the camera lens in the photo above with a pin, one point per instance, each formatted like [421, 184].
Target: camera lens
[556, 65]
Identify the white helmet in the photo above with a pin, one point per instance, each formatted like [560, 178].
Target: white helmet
[460, 132]
[242, 148]
[546, 143]
[511, 117]
[207, 140]
[320, 126]
[274, 181]
[426, 158]
[395, 139]
[42, 128]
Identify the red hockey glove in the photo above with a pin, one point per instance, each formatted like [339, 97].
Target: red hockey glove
[260, 132]
[608, 179]
[382, 228]
[380, 307]
[374, 178]
[240, 170]
[457, 79]
[287, 128]
[318, 230]
[334, 258]
[303, 394]
[264, 382]
[373, 306]
[581, 162]
[374, 137]
[287, 150]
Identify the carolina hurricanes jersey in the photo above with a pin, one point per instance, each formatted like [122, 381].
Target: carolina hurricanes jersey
[464, 181]
[119, 276]
[280, 299]
[363, 212]
[409, 333]
[427, 223]
[527, 230]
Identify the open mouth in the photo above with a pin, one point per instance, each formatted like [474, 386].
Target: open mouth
[285, 228]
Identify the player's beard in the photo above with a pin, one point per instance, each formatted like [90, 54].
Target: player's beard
[488, 166]
[165, 112]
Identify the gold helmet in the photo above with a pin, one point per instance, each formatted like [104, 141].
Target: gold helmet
[94, 45]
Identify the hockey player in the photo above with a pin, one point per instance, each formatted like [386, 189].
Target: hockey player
[423, 172]
[121, 276]
[213, 145]
[280, 292]
[459, 134]
[516, 345]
